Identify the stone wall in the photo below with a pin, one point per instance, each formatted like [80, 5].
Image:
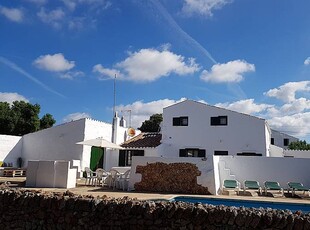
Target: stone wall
[24, 209]
[171, 178]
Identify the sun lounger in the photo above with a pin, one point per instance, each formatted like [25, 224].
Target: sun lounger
[273, 186]
[233, 185]
[296, 186]
[252, 185]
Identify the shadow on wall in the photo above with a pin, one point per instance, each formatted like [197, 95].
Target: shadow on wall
[13, 156]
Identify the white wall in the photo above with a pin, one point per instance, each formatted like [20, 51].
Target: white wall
[297, 153]
[276, 151]
[151, 152]
[267, 139]
[94, 129]
[206, 167]
[217, 179]
[10, 149]
[55, 143]
[59, 142]
[111, 159]
[243, 133]
[279, 138]
[263, 169]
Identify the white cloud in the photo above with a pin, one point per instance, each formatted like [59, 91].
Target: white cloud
[13, 14]
[106, 72]
[227, 72]
[70, 4]
[10, 97]
[287, 92]
[75, 116]
[18, 69]
[203, 7]
[291, 117]
[38, 2]
[54, 63]
[247, 106]
[296, 106]
[53, 18]
[296, 125]
[77, 19]
[148, 65]
[307, 61]
[71, 75]
[77, 23]
[141, 111]
[98, 4]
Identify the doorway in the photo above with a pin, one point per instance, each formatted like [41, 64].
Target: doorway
[125, 156]
[96, 158]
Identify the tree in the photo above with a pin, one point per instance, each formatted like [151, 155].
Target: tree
[153, 124]
[25, 117]
[47, 121]
[6, 125]
[299, 145]
[21, 118]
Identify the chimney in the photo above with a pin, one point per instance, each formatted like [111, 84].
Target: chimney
[122, 122]
[115, 125]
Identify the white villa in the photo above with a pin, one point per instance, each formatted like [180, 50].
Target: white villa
[281, 139]
[192, 128]
[59, 143]
[223, 144]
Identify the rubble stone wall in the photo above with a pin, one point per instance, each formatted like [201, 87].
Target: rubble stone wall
[24, 209]
[171, 178]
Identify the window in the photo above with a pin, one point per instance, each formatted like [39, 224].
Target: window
[192, 153]
[286, 141]
[220, 153]
[220, 120]
[272, 141]
[125, 156]
[180, 121]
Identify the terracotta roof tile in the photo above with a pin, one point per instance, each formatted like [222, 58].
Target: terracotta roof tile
[143, 140]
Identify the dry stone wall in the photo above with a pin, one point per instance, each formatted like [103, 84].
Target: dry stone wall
[23, 209]
[170, 178]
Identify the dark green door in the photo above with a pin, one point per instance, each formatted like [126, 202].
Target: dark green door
[96, 158]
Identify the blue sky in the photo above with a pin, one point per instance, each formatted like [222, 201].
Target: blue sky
[248, 56]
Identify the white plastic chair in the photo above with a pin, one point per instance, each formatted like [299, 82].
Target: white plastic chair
[101, 176]
[123, 180]
[113, 178]
[90, 176]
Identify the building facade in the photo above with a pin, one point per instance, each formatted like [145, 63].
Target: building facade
[281, 140]
[59, 143]
[194, 129]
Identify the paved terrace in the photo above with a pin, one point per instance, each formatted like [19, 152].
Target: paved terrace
[104, 191]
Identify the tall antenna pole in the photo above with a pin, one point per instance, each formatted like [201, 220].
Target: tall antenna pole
[114, 94]
[114, 121]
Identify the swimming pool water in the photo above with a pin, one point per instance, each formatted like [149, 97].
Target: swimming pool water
[305, 208]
